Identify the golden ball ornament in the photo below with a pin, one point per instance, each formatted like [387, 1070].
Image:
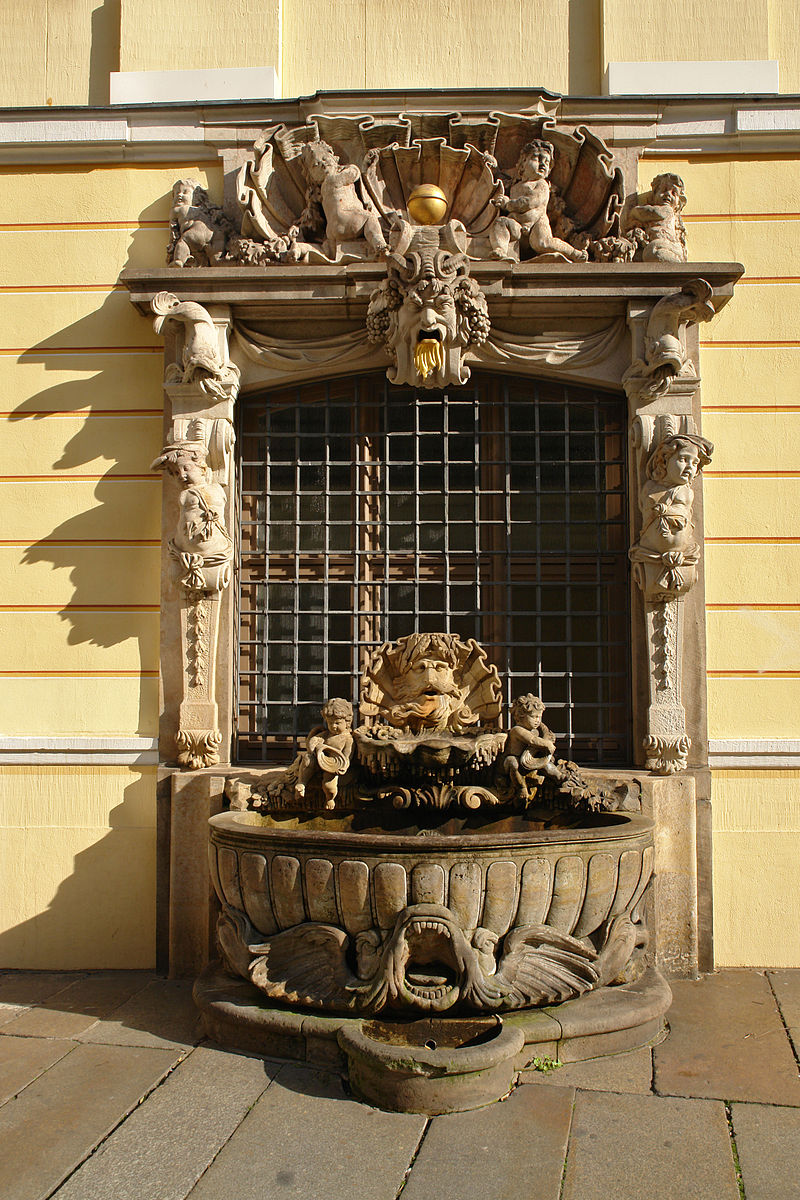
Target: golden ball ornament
[427, 204]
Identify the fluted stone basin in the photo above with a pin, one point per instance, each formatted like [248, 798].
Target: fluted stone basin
[507, 915]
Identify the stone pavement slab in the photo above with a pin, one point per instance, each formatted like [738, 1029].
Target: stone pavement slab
[648, 1148]
[161, 1014]
[727, 1041]
[768, 1143]
[494, 1153]
[305, 1140]
[20, 989]
[62, 1115]
[166, 1144]
[23, 1059]
[76, 1008]
[631, 1072]
[786, 986]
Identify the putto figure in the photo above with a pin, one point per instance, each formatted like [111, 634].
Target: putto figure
[327, 755]
[666, 555]
[348, 211]
[656, 225]
[198, 228]
[201, 544]
[527, 222]
[530, 745]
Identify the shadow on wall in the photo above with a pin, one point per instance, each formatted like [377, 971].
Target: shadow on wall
[111, 550]
[102, 913]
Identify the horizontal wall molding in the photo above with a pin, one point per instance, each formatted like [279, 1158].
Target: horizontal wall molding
[79, 751]
[776, 754]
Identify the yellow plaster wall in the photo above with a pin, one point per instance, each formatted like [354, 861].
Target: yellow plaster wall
[77, 854]
[80, 423]
[756, 851]
[62, 51]
[749, 210]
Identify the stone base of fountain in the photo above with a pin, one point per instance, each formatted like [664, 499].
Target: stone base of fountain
[434, 1065]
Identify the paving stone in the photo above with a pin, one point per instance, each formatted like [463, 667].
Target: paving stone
[632, 1072]
[493, 1153]
[77, 1007]
[726, 1040]
[768, 1139]
[57, 1121]
[161, 1014]
[786, 985]
[648, 1148]
[22, 1059]
[165, 1145]
[20, 989]
[305, 1140]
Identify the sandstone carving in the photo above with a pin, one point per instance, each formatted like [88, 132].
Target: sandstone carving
[202, 361]
[523, 221]
[654, 223]
[202, 552]
[347, 209]
[665, 354]
[457, 927]
[429, 311]
[666, 555]
[198, 229]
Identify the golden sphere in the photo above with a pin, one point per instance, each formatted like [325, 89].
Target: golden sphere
[427, 204]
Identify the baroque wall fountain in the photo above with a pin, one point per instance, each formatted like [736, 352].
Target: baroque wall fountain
[429, 897]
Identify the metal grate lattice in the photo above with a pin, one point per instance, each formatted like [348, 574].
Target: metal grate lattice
[495, 511]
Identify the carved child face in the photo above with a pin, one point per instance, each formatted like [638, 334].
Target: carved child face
[682, 465]
[320, 162]
[183, 193]
[535, 165]
[526, 718]
[188, 470]
[668, 191]
[337, 724]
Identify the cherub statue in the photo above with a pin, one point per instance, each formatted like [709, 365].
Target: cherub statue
[201, 543]
[327, 754]
[656, 224]
[530, 746]
[666, 554]
[349, 212]
[526, 205]
[198, 228]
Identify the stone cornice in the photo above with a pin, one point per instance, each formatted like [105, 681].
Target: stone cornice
[512, 290]
[181, 132]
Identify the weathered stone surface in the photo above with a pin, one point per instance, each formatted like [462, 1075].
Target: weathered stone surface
[62, 1116]
[786, 986]
[631, 1072]
[22, 1059]
[20, 989]
[167, 1143]
[727, 1040]
[305, 1139]
[496, 1151]
[767, 1139]
[80, 1006]
[162, 1014]
[643, 1147]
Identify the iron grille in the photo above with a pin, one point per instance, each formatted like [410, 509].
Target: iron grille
[495, 511]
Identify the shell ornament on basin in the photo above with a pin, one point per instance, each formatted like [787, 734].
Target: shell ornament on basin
[472, 160]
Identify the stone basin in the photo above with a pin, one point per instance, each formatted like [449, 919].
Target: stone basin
[463, 915]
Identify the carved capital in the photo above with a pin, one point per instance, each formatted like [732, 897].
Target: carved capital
[203, 356]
